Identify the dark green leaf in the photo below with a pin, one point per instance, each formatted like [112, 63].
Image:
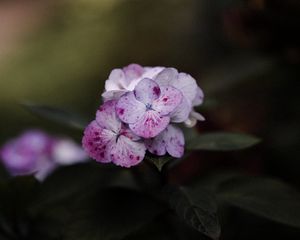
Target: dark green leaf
[159, 161]
[220, 141]
[197, 207]
[265, 197]
[67, 182]
[57, 115]
[110, 214]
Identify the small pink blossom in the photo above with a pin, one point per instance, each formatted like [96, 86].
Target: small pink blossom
[171, 141]
[37, 153]
[147, 108]
[107, 139]
[123, 80]
[192, 95]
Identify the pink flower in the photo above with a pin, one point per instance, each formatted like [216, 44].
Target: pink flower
[35, 152]
[28, 154]
[107, 139]
[123, 80]
[147, 109]
[192, 95]
[171, 141]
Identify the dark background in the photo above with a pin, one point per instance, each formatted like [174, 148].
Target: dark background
[245, 55]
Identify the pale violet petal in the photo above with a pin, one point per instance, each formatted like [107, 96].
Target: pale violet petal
[187, 85]
[150, 125]
[66, 152]
[169, 99]
[149, 72]
[198, 100]
[106, 116]
[166, 77]
[133, 71]
[96, 141]
[171, 140]
[197, 116]
[130, 110]
[156, 145]
[174, 139]
[113, 95]
[127, 153]
[181, 112]
[146, 91]
[116, 80]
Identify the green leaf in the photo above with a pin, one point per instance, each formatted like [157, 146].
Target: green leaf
[57, 115]
[112, 213]
[70, 181]
[159, 161]
[265, 197]
[220, 141]
[197, 207]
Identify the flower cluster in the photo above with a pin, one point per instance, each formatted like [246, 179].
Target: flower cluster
[140, 110]
[35, 152]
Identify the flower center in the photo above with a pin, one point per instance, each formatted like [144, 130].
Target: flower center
[148, 106]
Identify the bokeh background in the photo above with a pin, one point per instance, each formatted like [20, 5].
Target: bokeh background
[245, 54]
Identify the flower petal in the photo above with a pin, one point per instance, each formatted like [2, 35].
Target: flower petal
[171, 140]
[156, 145]
[127, 153]
[149, 72]
[193, 118]
[129, 110]
[166, 77]
[116, 80]
[187, 85]
[150, 125]
[113, 95]
[146, 91]
[198, 100]
[95, 142]
[66, 152]
[169, 99]
[174, 141]
[133, 71]
[181, 112]
[107, 118]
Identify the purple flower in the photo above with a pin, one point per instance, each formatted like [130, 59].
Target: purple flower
[171, 141]
[28, 154]
[123, 80]
[35, 152]
[147, 109]
[192, 95]
[107, 139]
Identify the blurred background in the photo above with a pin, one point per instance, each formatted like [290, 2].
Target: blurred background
[245, 55]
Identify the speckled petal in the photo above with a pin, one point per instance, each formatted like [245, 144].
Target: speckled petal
[174, 139]
[181, 112]
[96, 140]
[156, 145]
[150, 125]
[128, 109]
[166, 77]
[146, 91]
[169, 99]
[198, 100]
[106, 116]
[127, 153]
